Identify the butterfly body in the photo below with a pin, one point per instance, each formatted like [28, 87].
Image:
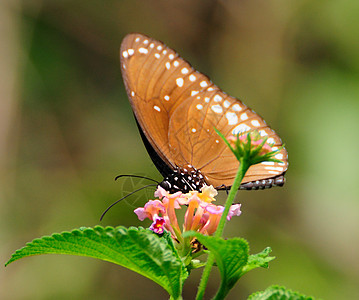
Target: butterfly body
[177, 109]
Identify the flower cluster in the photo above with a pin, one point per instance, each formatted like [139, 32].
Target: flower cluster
[201, 215]
[234, 141]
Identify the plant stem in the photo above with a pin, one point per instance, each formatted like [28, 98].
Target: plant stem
[243, 168]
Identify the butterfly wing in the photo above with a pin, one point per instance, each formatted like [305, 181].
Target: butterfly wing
[193, 139]
[150, 72]
[177, 109]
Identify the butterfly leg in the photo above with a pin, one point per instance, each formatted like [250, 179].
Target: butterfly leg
[222, 187]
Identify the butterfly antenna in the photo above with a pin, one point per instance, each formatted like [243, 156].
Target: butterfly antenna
[136, 176]
[124, 197]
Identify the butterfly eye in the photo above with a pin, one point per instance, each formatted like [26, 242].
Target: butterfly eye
[166, 185]
[177, 109]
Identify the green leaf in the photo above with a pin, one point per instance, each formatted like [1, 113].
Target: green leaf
[258, 260]
[231, 256]
[276, 292]
[225, 140]
[137, 249]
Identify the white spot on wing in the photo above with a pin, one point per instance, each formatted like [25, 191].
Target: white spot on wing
[240, 128]
[199, 106]
[226, 103]
[217, 98]
[176, 63]
[164, 52]
[130, 52]
[184, 71]
[125, 54]
[203, 84]
[171, 56]
[268, 163]
[157, 55]
[179, 81]
[152, 45]
[194, 93]
[167, 98]
[145, 42]
[137, 39]
[168, 65]
[236, 107]
[192, 78]
[194, 130]
[255, 123]
[210, 89]
[143, 50]
[132, 93]
[159, 48]
[279, 156]
[274, 168]
[273, 172]
[270, 141]
[206, 99]
[262, 133]
[232, 118]
[157, 108]
[244, 116]
[217, 108]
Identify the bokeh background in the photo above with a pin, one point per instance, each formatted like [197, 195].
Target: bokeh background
[66, 130]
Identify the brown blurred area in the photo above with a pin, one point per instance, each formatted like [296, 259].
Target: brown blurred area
[66, 130]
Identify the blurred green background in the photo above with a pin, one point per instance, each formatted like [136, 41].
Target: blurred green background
[66, 130]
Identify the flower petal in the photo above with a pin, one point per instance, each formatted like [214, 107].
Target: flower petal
[157, 225]
[235, 210]
[141, 213]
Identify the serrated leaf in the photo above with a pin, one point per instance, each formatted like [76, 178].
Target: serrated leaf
[260, 259]
[275, 292]
[137, 249]
[231, 256]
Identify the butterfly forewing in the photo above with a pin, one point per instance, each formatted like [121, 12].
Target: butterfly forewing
[178, 108]
[154, 76]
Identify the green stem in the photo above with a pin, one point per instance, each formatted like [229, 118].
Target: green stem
[243, 168]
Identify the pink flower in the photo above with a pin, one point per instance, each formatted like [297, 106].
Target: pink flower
[152, 208]
[265, 148]
[256, 140]
[161, 192]
[201, 215]
[235, 210]
[214, 209]
[193, 203]
[233, 139]
[157, 225]
[213, 215]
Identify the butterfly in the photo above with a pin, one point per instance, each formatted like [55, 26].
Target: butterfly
[177, 108]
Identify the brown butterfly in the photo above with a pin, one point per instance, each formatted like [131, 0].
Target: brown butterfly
[177, 109]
